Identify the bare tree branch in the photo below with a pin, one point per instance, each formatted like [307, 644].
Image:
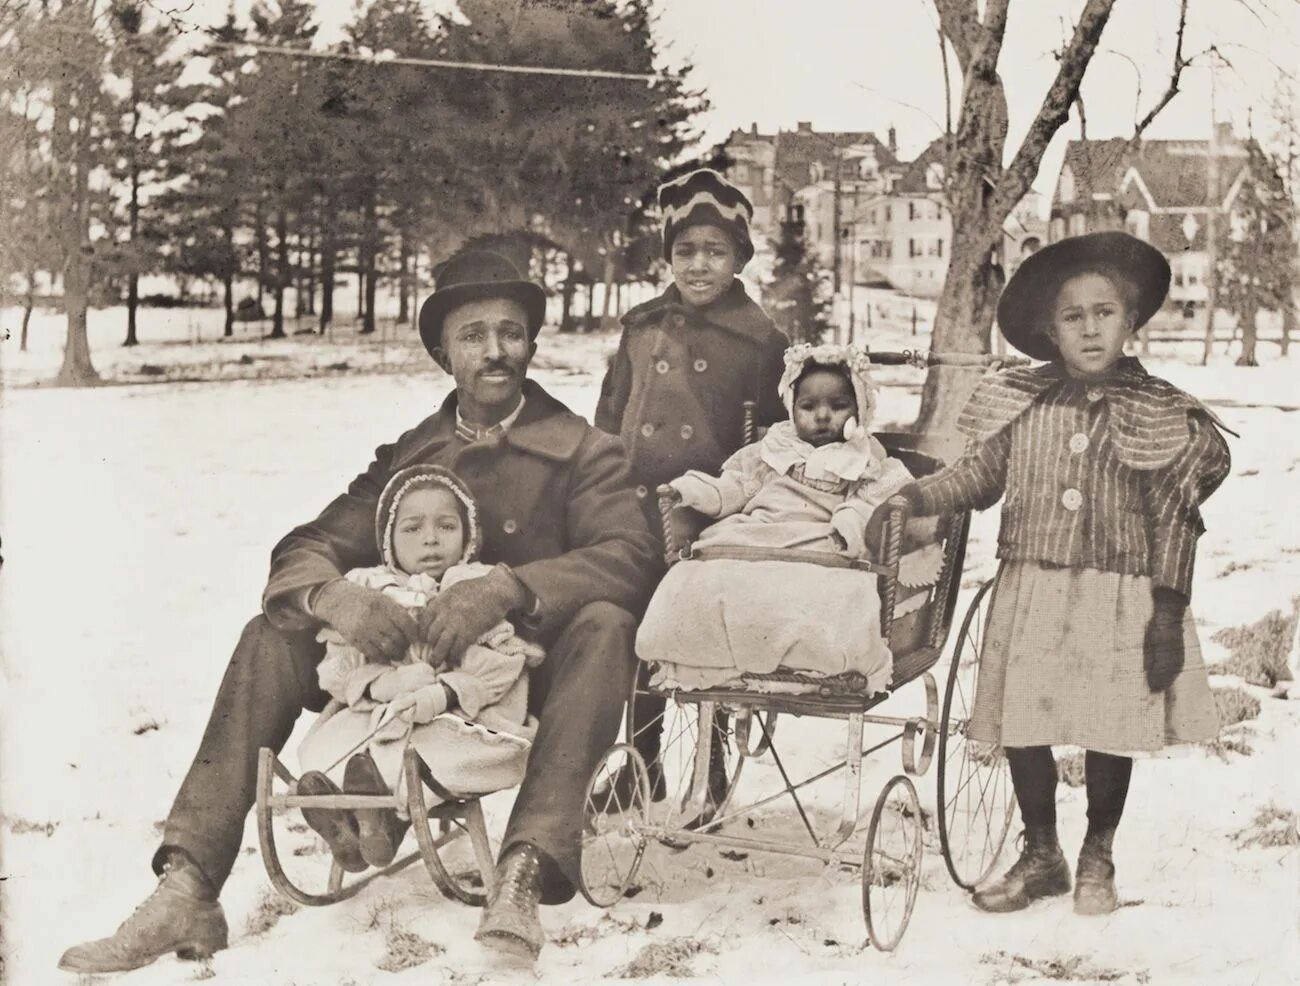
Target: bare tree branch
[1083, 116]
[947, 83]
[958, 20]
[994, 29]
[1175, 76]
[1055, 108]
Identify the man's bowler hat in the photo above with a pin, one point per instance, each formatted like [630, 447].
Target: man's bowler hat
[1025, 308]
[474, 275]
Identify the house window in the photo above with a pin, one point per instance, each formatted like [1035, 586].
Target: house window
[1178, 279]
[1065, 190]
[911, 247]
[1057, 230]
[911, 210]
[938, 244]
[1078, 224]
[889, 213]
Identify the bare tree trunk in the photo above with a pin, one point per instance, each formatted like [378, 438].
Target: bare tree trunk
[282, 270]
[566, 296]
[228, 292]
[1288, 320]
[326, 282]
[369, 257]
[404, 286]
[608, 283]
[1249, 333]
[133, 278]
[77, 369]
[263, 252]
[29, 302]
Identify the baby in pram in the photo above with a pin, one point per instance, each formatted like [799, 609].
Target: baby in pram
[810, 484]
[468, 720]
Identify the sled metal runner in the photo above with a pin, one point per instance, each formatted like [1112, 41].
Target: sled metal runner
[456, 817]
[708, 735]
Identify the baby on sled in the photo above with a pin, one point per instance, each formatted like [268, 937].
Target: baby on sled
[467, 719]
[810, 484]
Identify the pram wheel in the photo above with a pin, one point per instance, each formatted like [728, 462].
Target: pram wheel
[891, 864]
[975, 795]
[614, 812]
[701, 763]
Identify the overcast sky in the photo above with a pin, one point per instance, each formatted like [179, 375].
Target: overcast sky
[866, 64]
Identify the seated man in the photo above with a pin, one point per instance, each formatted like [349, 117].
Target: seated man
[572, 556]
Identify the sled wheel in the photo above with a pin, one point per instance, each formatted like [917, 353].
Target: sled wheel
[975, 796]
[614, 811]
[269, 769]
[891, 863]
[457, 818]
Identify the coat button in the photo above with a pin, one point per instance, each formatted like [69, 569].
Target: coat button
[1072, 499]
[647, 430]
[661, 366]
[1078, 443]
[687, 432]
[701, 365]
[642, 492]
[1094, 394]
[510, 526]
[678, 320]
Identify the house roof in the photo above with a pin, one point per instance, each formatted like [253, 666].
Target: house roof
[1168, 174]
[913, 180]
[797, 149]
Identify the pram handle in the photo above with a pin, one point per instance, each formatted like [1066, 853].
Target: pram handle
[922, 359]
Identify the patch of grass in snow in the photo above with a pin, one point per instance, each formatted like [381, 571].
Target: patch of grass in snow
[146, 726]
[1271, 827]
[1258, 651]
[665, 958]
[1065, 969]
[404, 949]
[1237, 741]
[267, 912]
[22, 826]
[608, 924]
[1069, 768]
[1235, 705]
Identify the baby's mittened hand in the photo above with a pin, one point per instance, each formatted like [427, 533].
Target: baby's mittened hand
[422, 705]
[697, 494]
[1162, 646]
[401, 680]
[847, 534]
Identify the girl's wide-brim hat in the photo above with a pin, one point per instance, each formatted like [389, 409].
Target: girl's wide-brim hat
[412, 478]
[473, 276]
[1024, 310]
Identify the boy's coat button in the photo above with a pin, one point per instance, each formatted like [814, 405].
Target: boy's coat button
[661, 366]
[647, 429]
[701, 365]
[510, 526]
[687, 431]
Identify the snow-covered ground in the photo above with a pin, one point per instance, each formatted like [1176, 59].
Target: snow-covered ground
[137, 524]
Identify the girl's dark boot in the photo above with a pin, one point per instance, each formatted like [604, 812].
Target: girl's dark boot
[1094, 880]
[1041, 871]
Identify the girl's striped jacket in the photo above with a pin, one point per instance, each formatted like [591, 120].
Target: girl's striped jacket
[1108, 476]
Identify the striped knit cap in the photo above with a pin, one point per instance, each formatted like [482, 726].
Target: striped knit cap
[420, 478]
[705, 197]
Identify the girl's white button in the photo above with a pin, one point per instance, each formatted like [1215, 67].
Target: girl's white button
[642, 492]
[1078, 443]
[1072, 499]
[647, 429]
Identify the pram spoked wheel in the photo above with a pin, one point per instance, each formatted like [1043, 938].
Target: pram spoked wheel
[615, 811]
[891, 863]
[975, 796]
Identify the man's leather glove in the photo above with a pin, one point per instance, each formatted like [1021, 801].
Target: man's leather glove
[1162, 647]
[401, 681]
[367, 619]
[460, 614]
[874, 536]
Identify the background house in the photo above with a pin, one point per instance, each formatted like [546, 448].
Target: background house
[1159, 190]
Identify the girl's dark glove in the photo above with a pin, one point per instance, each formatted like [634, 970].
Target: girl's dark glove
[1162, 648]
[367, 619]
[461, 613]
[874, 535]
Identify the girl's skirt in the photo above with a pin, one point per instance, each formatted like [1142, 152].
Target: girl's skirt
[1062, 664]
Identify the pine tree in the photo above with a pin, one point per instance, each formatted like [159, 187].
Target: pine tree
[797, 295]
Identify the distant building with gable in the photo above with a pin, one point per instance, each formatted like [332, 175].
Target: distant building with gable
[1158, 190]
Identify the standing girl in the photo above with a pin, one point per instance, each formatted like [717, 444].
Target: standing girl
[1089, 639]
[688, 360]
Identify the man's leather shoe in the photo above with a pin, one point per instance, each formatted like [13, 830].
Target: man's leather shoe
[182, 915]
[510, 922]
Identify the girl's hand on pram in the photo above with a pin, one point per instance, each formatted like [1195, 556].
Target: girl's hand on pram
[401, 680]
[875, 532]
[1162, 648]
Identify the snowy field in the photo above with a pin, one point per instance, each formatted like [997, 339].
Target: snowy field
[137, 526]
